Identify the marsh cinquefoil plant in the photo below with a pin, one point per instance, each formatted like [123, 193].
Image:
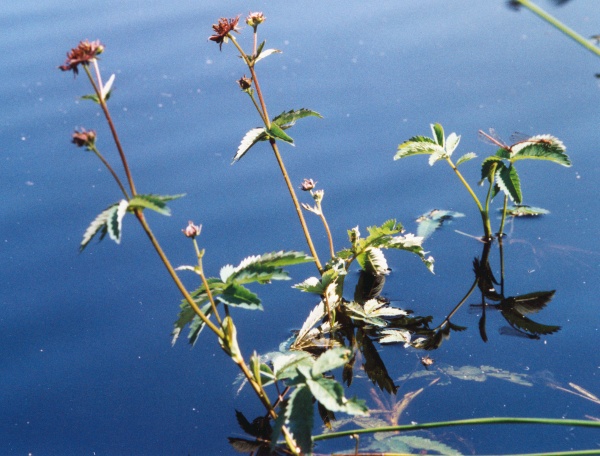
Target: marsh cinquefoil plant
[301, 374]
[498, 170]
[305, 376]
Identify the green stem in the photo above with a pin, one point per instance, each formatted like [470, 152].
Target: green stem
[199, 255]
[328, 231]
[501, 230]
[299, 212]
[560, 26]
[487, 227]
[468, 422]
[175, 277]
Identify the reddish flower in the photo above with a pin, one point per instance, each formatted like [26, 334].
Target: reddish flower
[223, 29]
[83, 54]
[84, 138]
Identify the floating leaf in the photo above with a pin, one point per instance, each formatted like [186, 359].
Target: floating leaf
[465, 158]
[252, 137]
[373, 312]
[395, 336]
[508, 181]
[525, 211]
[433, 220]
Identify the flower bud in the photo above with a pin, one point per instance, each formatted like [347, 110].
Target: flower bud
[307, 185]
[245, 83]
[192, 230]
[84, 138]
[254, 19]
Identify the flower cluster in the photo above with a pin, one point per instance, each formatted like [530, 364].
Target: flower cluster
[83, 54]
[223, 29]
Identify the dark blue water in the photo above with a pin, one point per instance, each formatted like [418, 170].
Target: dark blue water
[86, 361]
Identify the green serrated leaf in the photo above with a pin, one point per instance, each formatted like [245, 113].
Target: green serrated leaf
[263, 268]
[299, 416]
[373, 261]
[250, 139]
[99, 224]
[290, 117]
[276, 132]
[541, 147]
[330, 360]
[438, 134]
[115, 221]
[237, 295]
[229, 342]
[452, 143]
[420, 146]
[508, 181]
[157, 203]
[285, 365]
[489, 167]
[465, 158]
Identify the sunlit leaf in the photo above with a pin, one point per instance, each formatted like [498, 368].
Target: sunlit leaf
[298, 413]
[465, 158]
[330, 360]
[541, 147]
[373, 312]
[311, 285]
[285, 365]
[508, 181]
[114, 223]
[229, 342]
[394, 336]
[99, 224]
[313, 318]
[373, 260]
[263, 268]
[266, 53]
[433, 220]
[418, 145]
[452, 143]
[252, 137]
[438, 134]
[106, 90]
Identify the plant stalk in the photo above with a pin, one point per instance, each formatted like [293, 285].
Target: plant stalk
[560, 26]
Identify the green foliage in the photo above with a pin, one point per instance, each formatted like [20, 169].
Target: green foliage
[509, 182]
[306, 375]
[230, 289]
[372, 312]
[110, 220]
[465, 158]
[439, 147]
[279, 123]
[525, 211]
